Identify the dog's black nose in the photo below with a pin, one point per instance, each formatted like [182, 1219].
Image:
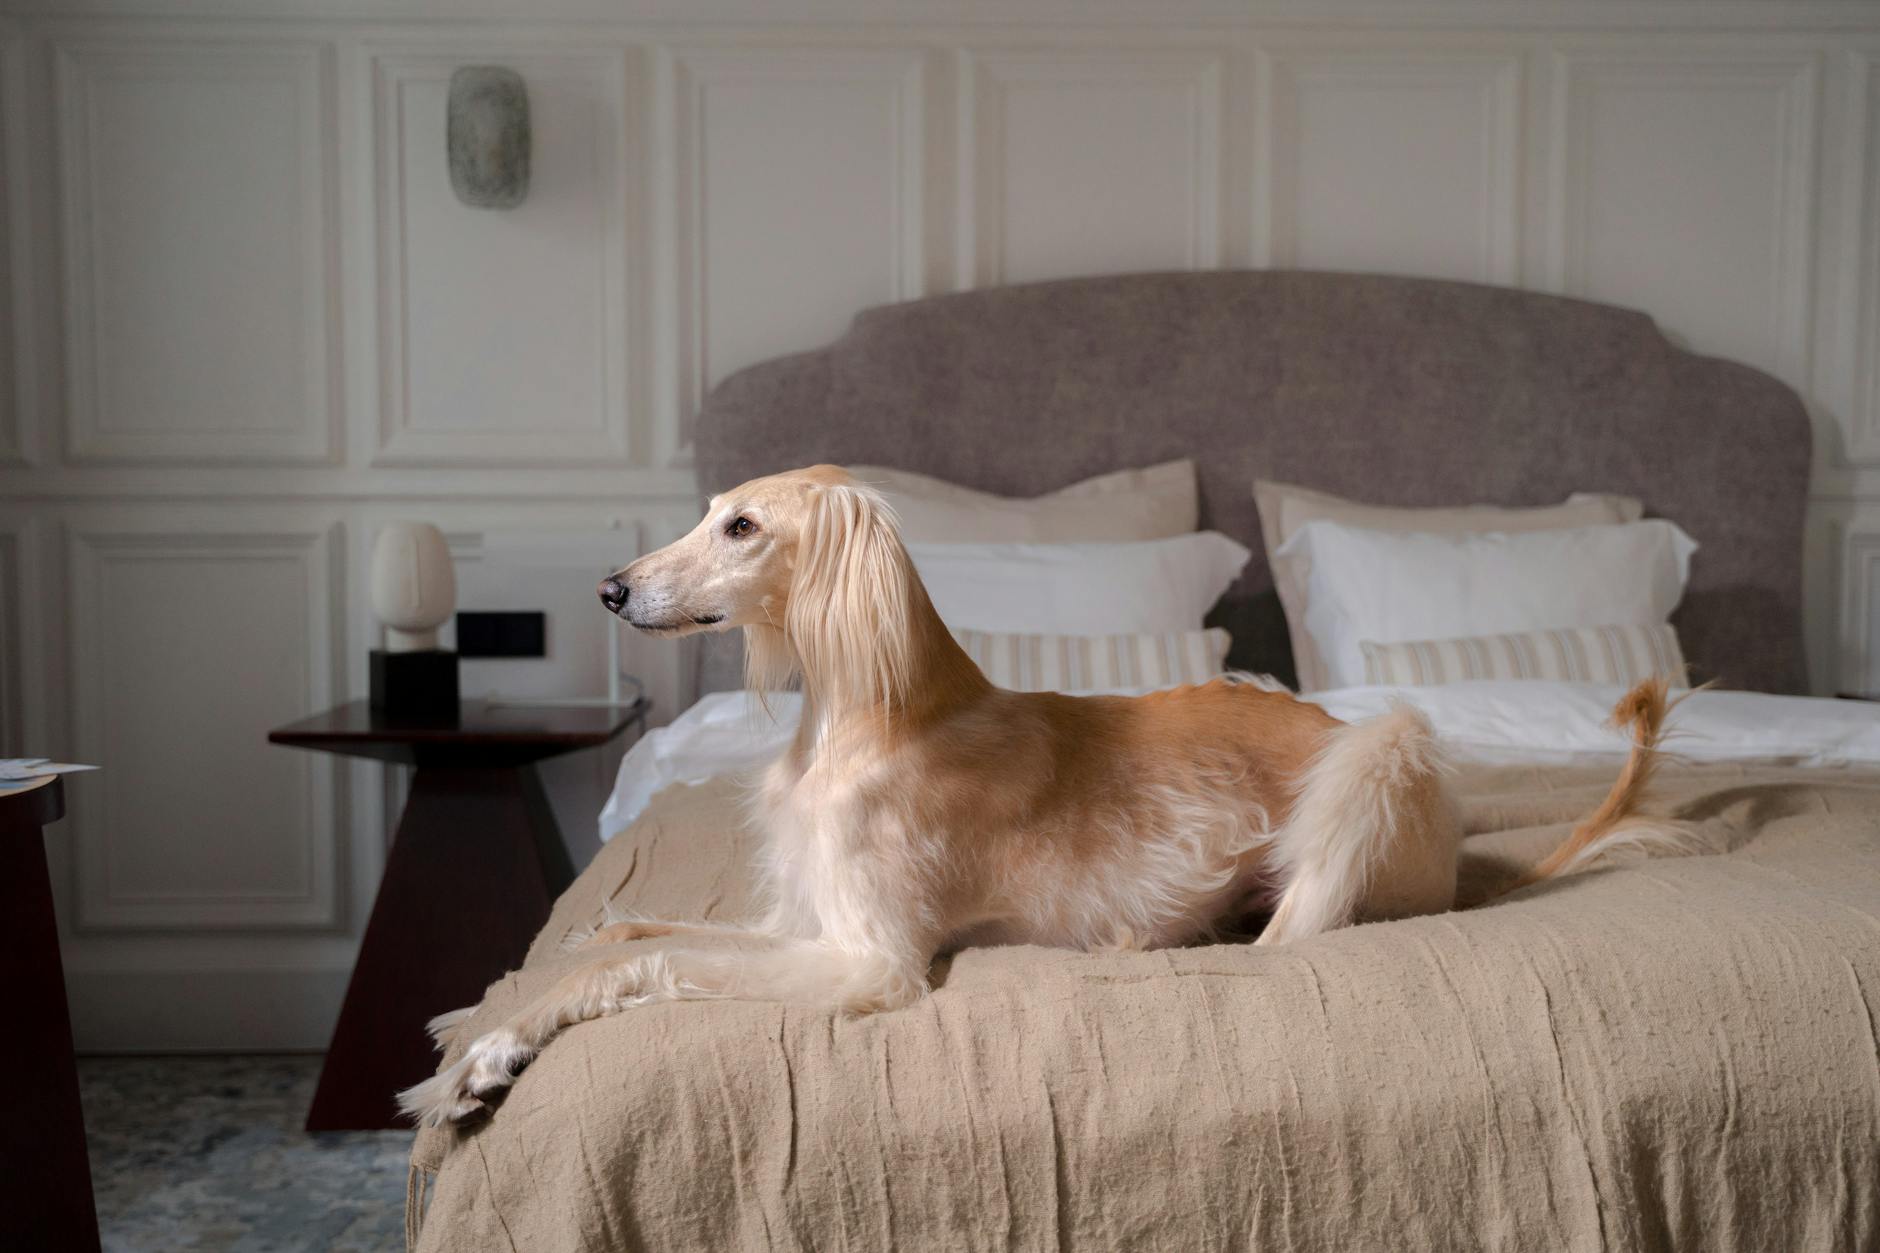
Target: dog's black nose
[613, 595]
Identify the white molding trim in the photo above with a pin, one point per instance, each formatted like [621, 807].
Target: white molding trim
[276, 484]
[1498, 76]
[1794, 77]
[1860, 236]
[308, 68]
[12, 599]
[315, 554]
[684, 76]
[17, 400]
[389, 69]
[205, 1009]
[696, 18]
[1858, 568]
[20, 656]
[984, 76]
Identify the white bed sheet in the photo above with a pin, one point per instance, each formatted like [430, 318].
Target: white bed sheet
[1491, 721]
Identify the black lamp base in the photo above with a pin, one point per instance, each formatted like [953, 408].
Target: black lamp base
[419, 684]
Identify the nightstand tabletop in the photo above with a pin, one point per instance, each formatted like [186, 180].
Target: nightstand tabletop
[481, 734]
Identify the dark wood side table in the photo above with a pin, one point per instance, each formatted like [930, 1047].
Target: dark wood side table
[42, 1140]
[472, 872]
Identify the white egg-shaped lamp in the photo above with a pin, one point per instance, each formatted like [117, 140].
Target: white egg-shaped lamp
[414, 586]
[414, 592]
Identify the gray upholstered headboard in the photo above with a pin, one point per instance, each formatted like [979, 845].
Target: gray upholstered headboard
[1398, 391]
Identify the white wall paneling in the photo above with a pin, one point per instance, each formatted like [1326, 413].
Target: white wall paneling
[244, 322]
[1685, 184]
[197, 187]
[18, 593]
[795, 195]
[503, 334]
[557, 573]
[11, 595]
[184, 1002]
[1350, 137]
[1088, 161]
[188, 645]
[14, 352]
[1858, 584]
[1859, 275]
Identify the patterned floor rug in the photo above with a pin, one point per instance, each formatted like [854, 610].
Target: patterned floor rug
[207, 1153]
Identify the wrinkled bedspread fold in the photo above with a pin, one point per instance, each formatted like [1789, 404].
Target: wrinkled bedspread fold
[1671, 1053]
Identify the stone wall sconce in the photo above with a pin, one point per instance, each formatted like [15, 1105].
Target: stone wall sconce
[488, 136]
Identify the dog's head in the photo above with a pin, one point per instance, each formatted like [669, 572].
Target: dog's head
[810, 563]
[753, 557]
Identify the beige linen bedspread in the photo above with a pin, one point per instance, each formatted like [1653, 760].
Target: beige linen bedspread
[1679, 1053]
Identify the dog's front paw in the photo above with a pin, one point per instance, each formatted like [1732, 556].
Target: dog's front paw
[489, 1065]
[440, 1099]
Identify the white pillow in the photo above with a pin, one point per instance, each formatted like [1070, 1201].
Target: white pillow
[1080, 589]
[1387, 586]
[1097, 663]
[1151, 503]
[1285, 507]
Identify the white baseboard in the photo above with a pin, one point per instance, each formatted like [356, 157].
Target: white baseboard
[216, 1011]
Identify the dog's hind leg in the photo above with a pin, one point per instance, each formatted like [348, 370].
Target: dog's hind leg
[1371, 835]
[812, 971]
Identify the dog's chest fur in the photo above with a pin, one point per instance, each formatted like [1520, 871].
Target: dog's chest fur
[829, 872]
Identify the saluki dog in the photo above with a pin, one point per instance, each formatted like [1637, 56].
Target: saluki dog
[920, 809]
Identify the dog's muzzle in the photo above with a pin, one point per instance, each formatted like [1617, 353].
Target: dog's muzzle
[613, 594]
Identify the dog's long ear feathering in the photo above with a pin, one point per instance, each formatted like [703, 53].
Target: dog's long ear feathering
[846, 627]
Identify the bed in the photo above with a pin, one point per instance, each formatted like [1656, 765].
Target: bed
[1677, 1053]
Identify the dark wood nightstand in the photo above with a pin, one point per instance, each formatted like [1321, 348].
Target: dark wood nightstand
[42, 1148]
[471, 875]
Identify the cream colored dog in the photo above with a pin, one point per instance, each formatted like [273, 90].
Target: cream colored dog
[920, 809]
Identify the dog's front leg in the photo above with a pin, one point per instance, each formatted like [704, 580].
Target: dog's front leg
[819, 972]
[862, 900]
[620, 928]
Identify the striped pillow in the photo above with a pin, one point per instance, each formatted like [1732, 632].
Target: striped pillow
[1606, 654]
[1084, 663]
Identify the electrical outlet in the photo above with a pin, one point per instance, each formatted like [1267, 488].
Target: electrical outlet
[511, 633]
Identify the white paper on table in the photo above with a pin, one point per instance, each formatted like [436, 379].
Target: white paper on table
[25, 769]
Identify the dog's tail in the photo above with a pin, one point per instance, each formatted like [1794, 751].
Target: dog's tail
[1617, 823]
[1372, 783]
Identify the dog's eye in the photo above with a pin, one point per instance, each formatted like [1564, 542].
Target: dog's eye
[740, 527]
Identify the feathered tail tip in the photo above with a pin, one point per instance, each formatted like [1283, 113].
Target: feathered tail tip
[1645, 707]
[1642, 710]
[1616, 824]
[1641, 713]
